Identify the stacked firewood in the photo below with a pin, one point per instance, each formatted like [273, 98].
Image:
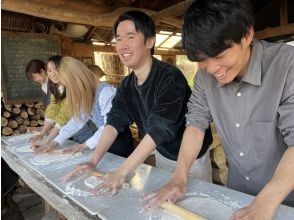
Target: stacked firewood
[16, 118]
[219, 161]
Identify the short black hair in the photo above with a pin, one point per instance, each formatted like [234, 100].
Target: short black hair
[54, 87]
[143, 23]
[34, 67]
[212, 26]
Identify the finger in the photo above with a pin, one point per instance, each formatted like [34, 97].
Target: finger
[113, 192]
[148, 197]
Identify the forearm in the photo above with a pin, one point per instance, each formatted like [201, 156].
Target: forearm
[142, 151]
[107, 138]
[52, 134]
[281, 184]
[190, 148]
[47, 126]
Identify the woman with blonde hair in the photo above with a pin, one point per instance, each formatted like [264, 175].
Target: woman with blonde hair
[89, 101]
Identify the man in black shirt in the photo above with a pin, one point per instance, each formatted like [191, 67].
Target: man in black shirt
[155, 97]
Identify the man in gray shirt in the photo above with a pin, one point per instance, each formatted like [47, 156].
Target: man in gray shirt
[247, 88]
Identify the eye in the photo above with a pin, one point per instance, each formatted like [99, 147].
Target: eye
[118, 39]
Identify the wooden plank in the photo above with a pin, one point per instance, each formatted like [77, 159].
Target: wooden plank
[73, 15]
[48, 192]
[275, 31]
[283, 12]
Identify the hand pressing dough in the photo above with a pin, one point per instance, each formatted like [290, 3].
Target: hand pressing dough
[206, 207]
[55, 157]
[93, 181]
[25, 149]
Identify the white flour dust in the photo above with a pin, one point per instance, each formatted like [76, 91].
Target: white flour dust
[70, 189]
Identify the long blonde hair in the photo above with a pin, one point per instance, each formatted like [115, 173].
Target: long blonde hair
[80, 83]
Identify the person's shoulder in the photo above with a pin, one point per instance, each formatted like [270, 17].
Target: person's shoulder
[169, 71]
[278, 50]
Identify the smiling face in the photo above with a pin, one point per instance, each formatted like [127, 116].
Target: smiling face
[231, 63]
[131, 46]
[40, 77]
[52, 72]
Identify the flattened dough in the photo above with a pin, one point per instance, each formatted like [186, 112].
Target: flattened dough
[92, 182]
[206, 207]
[25, 149]
[54, 157]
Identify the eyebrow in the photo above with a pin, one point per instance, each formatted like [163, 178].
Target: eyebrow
[128, 33]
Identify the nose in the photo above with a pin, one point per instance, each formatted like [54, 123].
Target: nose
[122, 45]
[209, 65]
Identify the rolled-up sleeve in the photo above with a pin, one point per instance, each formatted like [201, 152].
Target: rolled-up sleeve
[167, 113]
[118, 115]
[198, 114]
[286, 109]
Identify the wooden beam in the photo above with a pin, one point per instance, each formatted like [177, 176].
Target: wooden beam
[167, 15]
[89, 33]
[173, 11]
[283, 12]
[71, 15]
[275, 31]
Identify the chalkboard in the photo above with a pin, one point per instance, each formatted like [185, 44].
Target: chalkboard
[17, 50]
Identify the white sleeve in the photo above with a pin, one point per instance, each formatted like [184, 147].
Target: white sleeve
[105, 97]
[71, 127]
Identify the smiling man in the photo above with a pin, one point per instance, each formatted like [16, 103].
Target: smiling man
[247, 88]
[155, 97]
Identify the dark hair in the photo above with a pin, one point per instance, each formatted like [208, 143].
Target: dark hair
[54, 87]
[212, 26]
[143, 23]
[34, 66]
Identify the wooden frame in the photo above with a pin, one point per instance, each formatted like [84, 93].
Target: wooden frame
[87, 60]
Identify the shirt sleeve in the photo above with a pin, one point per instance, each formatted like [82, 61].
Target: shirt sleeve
[118, 115]
[70, 128]
[286, 108]
[198, 114]
[104, 101]
[166, 115]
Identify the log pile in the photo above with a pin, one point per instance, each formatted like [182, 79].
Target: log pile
[16, 118]
[219, 161]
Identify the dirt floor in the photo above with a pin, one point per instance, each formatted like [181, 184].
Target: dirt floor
[22, 203]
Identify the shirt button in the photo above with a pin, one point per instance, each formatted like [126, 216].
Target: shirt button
[247, 178]
[241, 154]
[238, 93]
[237, 125]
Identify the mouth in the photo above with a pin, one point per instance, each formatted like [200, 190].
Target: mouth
[220, 74]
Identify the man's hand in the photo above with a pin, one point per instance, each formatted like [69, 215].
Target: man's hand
[171, 191]
[254, 211]
[75, 149]
[112, 182]
[79, 169]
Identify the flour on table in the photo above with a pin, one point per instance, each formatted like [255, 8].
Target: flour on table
[206, 207]
[55, 157]
[25, 149]
[92, 182]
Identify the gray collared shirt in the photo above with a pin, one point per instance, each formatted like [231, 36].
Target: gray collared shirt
[254, 117]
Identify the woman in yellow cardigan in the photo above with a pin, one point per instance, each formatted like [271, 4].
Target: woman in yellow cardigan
[57, 112]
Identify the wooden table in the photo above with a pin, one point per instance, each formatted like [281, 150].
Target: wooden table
[48, 192]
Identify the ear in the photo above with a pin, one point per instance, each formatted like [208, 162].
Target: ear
[150, 42]
[247, 40]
